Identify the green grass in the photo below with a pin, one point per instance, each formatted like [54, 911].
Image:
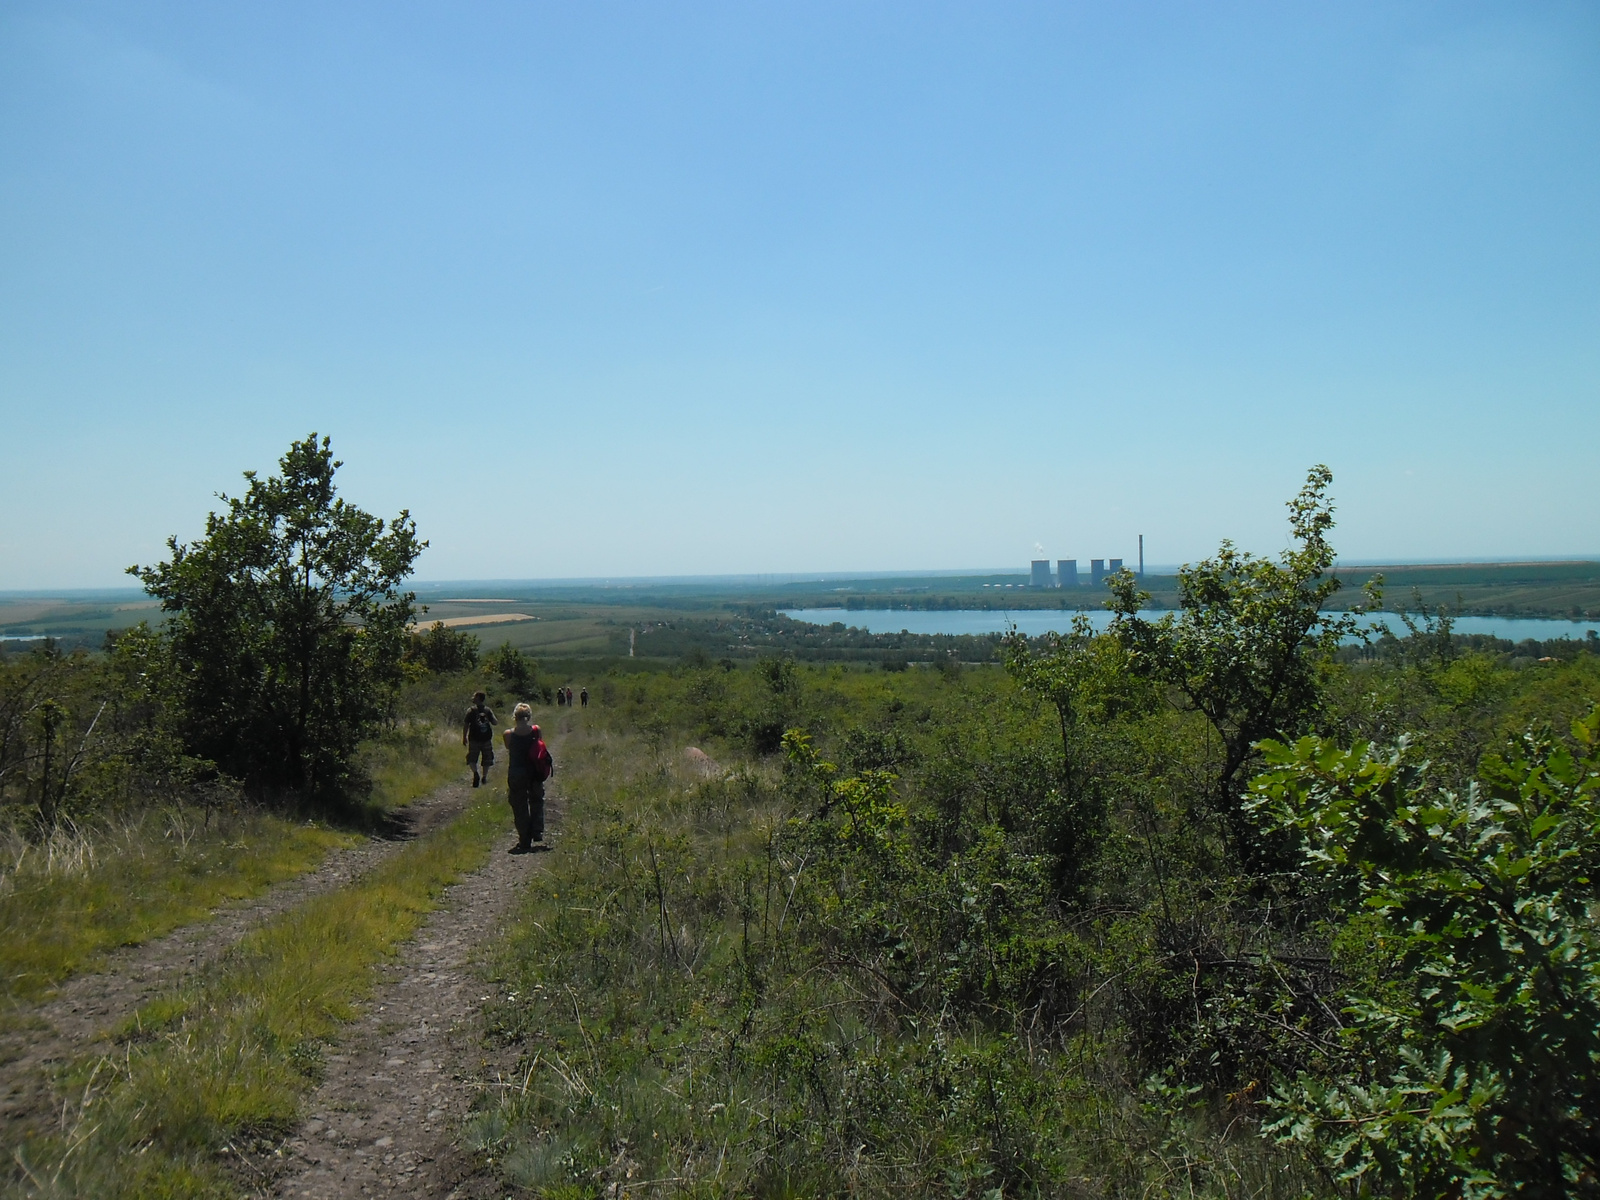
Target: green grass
[412, 763]
[222, 1065]
[67, 901]
[688, 1028]
[126, 879]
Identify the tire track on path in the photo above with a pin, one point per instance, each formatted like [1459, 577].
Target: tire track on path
[386, 1119]
[65, 1025]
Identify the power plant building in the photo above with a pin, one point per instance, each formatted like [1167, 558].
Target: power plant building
[1067, 572]
[1041, 574]
[1097, 570]
[1116, 565]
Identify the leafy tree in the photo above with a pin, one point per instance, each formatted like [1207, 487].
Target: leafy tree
[1084, 678]
[1480, 1074]
[443, 650]
[1250, 644]
[1429, 642]
[28, 707]
[514, 668]
[778, 673]
[288, 624]
[82, 732]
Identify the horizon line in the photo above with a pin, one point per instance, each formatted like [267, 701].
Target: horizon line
[773, 579]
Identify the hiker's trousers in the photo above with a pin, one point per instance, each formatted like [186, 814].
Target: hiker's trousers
[527, 807]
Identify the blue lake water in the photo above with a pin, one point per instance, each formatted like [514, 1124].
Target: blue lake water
[1033, 622]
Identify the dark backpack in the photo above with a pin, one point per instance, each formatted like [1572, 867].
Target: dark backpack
[482, 729]
[539, 761]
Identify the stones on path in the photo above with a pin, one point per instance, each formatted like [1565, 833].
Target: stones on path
[386, 1119]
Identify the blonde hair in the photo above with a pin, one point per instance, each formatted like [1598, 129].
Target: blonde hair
[521, 713]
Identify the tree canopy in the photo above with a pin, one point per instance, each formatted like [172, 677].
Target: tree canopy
[1250, 644]
[288, 623]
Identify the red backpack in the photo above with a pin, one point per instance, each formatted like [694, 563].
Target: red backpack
[539, 760]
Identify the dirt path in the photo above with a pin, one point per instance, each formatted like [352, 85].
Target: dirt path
[386, 1119]
[65, 1025]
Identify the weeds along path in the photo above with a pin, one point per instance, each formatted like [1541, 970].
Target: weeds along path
[65, 1025]
[386, 1118]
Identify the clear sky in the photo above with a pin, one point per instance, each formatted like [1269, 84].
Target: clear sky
[618, 289]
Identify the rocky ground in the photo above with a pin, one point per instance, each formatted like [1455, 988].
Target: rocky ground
[386, 1119]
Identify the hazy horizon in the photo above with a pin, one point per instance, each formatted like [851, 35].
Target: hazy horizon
[781, 578]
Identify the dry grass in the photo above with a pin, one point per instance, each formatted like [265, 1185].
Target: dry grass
[220, 1067]
[128, 877]
[87, 889]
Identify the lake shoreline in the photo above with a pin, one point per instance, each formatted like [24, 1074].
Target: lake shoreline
[1036, 621]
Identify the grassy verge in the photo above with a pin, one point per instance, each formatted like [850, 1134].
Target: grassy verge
[84, 892]
[691, 1027]
[208, 1072]
[131, 877]
[409, 764]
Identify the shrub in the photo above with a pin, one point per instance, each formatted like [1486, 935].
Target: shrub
[1480, 1076]
[442, 650]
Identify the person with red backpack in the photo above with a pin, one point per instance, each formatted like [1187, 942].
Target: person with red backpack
[528, 765]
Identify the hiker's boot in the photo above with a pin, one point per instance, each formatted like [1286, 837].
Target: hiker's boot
[474, 779]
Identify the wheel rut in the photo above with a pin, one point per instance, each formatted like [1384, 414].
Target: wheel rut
[386, 1118]
[66, 1024]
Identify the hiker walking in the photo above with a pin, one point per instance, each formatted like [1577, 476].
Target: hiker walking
[561, 697]
[583, 697]
[569, 697]
[528, 765]
[477, 735]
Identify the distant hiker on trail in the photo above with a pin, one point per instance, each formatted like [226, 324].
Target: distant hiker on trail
[569, 697]
[477, 735]
[561, 697]
[583, 696]
[528, 765]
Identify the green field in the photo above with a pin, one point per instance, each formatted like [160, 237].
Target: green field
[1534, 589]
[74, 618]
[559, 622]
[674, 620]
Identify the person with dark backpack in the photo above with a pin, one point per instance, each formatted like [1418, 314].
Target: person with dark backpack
[477, 735]
[528, 765]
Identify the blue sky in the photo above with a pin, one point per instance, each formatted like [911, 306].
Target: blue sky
[613, 289]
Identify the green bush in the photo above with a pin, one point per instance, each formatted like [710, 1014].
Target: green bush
[286, 625]
[441, 650]
[1480, 1076]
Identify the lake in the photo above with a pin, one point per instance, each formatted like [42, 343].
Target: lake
[1034, 621]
